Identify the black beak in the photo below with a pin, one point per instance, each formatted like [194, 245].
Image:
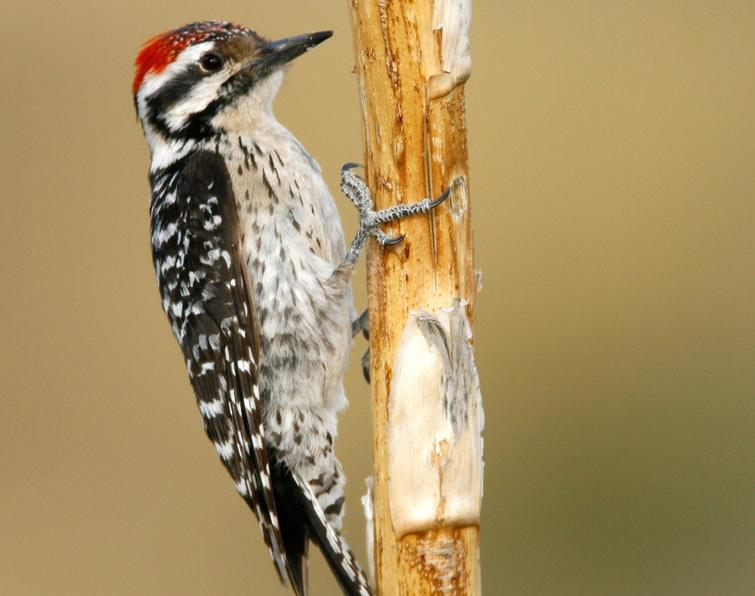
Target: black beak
[277, 53]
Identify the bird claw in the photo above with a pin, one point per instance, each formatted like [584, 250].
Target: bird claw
[350, 165]
[361, 324]
[384, 239]
[366, 365]
[441, 198]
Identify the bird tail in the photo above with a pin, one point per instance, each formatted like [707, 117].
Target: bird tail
[301, 519]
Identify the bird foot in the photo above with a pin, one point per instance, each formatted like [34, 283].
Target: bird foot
[370, 221]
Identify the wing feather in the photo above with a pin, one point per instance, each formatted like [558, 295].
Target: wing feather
[205, 291]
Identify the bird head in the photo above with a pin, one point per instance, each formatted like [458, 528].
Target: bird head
[211, 77]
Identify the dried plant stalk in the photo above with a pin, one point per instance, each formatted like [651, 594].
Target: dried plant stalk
[412, 61]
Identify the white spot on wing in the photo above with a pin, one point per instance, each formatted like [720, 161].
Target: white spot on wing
[225, 450]
[212, 408]
[241, 487]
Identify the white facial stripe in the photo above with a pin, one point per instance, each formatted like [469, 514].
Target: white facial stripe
[152, 82]
[200, 97]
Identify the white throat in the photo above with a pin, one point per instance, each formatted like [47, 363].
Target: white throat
[252, 112]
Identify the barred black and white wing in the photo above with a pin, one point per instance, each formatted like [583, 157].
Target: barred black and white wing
[206, 294]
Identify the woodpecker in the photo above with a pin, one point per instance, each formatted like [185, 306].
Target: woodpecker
[254, 277]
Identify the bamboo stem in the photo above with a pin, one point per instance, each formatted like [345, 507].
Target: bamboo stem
[412, 60]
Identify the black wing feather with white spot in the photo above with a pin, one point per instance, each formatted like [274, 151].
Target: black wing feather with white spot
[205, 292]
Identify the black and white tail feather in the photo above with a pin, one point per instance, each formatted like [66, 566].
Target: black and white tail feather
[305, 520]
[206, 294]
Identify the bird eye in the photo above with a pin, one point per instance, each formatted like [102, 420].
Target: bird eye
[211, 62]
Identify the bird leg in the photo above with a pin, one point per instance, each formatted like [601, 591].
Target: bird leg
[370, 221]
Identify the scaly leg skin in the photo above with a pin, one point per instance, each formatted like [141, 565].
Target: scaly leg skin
[355, 189]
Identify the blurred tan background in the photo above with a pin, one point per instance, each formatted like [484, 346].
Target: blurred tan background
[613, 163]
